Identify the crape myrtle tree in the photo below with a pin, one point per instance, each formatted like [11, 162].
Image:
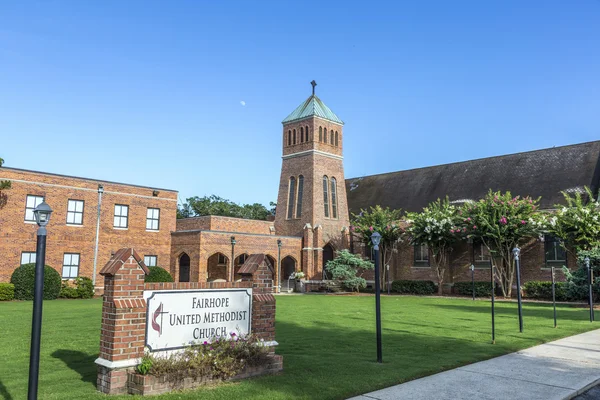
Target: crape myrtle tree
[501, 222]
[578, 223]
[347, 268]
[435, 227]
[386, 222]
[215, 205]
[4, 185]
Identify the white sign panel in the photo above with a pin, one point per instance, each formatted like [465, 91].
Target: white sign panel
[174, 318]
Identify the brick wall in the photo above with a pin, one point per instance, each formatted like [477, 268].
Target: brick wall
[226, 224]
[17, 236]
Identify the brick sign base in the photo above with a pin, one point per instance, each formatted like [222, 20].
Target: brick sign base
[123, 328]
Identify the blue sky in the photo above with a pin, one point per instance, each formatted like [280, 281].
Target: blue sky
[150, 92]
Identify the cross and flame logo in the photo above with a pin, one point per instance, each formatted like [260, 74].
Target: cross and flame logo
[155, 316]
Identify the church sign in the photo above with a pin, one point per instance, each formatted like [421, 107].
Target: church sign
[178, 318]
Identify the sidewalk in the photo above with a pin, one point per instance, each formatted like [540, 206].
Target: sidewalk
[557, 370]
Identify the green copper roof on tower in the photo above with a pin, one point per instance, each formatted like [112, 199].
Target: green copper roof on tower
[313, 106]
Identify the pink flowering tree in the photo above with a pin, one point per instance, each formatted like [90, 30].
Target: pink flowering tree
[387, 223]
[502, 222]
[436, 227]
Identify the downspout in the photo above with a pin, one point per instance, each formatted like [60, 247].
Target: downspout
[100, 191]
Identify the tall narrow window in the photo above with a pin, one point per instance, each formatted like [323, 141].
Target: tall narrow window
[75, 212]
[301, 134]
[306, 134]
[336, 138]
[333, 198]
[121, 216]
[152, 219]
[325, 135]
[326, 196]
[421, 255]
[289, 138]
[291, 198]
[31, 203]
[481, 255]
[299, 202]
[70, 267]
[555, 254]
[320, 134]
[331, 140]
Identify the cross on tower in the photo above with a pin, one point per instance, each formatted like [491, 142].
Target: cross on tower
[313, 83]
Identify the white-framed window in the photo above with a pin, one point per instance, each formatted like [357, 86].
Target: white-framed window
[481, 255]
[222, 259]
[556, 255]
[421, 255]
[121, 219]
[150, 261]
[31, 203]
[152, 219]
[70, 267]
[28, 257]
[75, 212]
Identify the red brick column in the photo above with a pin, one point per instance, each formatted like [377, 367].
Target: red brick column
[123, 331]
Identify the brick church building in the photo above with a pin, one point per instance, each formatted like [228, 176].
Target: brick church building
[93, 218]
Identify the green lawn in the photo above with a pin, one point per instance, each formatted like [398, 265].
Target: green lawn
[328, 344]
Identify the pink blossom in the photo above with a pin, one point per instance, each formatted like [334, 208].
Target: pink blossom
[523, 222]
[469, 219]
[371, 228]
[503, 221]
[474, 226]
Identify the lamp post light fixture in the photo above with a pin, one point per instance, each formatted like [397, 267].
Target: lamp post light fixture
[231, 271]
[279, 266]
[387, 267]
[100, 191]
[375, 239]
[473, 280]
[516, 253]
[591, 281]
[42, 216]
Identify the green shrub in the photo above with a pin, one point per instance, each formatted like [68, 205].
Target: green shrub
[158, 274]
[68, 291]
[24, 278]
[542, 290]
[414, 287]
[7, 291]
[82, 288]
[482, 289]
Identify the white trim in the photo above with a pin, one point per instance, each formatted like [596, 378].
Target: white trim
[118, 364]
[76, 225]
[30, 222]
[271, 343]
[152, 230]
[313, 248]
[307, 152]
[85, 189]
[120, 229]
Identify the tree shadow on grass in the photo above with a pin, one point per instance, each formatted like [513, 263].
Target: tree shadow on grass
[532, 310]
[80, 362]
[4, 392]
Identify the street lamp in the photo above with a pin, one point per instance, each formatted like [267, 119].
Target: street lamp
[279, 266]
[516, 252]
[591, 280]
[473, 280]
[42, 216]
[231, 272]
[387, 267]
[375, 239]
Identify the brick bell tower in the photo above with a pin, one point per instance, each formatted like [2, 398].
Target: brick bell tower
[312, 199]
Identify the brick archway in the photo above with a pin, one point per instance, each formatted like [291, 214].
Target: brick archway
[328, 254]
[217, 267]
[184, 268]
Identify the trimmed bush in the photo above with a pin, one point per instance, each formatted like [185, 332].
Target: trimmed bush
[158, 274]
[7, 291]
[24, 278]
[482, 289]
[542, 290]
[414, 287]
[82, 288]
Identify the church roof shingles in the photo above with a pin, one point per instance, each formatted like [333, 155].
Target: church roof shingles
[544, 173]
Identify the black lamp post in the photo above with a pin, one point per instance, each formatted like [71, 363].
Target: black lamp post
[231, 272]
[375, 239]
[279, 266]
[591, 280]
[493, 303]
[387, 267]
[516, 252]
[42, 216]
[473, 280]
[553, 293]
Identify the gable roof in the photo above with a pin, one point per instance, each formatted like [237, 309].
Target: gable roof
[313, 106]
[253, 262]
[544, 173]
[119, 259]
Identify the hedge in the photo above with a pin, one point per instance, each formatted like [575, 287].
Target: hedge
[24, 278]
[7, 291]
[82, 288]
[482, 289]
[414, 287]
[158, 274]
[542, 290]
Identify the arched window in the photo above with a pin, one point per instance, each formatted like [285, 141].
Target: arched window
[289, 138]
[301, 134]
[320, 134]
[325, 135]
[291, 198]
[306, 134]
[326, 196]
[294, 136]
[336, 138]
[333, 198]
[331, 141]
[299, 202]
